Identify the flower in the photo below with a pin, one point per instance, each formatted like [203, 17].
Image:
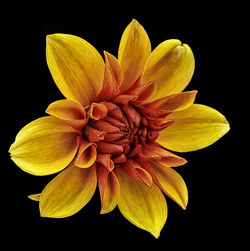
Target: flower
[114, 127]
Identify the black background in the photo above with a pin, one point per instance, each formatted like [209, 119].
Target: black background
[215, 176]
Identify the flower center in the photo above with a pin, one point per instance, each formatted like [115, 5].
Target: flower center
[119, 130]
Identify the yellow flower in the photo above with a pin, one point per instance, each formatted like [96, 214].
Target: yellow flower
[114, 127]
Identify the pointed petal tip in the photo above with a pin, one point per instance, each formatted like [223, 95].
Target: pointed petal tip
[41, 214]
[155, 234]
[49, 37]
[52, 36]
[34, 197]
[134, 21]
[105, 53]
[103, 212]
[11, 147]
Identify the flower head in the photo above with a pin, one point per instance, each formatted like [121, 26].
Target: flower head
[114, 127]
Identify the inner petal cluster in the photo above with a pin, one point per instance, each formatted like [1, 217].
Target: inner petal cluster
[119, 131]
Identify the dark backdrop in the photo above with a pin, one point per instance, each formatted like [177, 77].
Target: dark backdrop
[216, 176]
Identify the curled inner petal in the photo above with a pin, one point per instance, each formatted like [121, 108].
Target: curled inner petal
[86, 156]
[97, 111]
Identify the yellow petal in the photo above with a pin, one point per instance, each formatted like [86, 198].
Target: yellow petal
[172, 183]
[143, 206]
[68, 192]
[171, 65]
[194, 128]
[133, 53]
[72, 112]
[111, 194]
[35, 197]
[44, 146]
[76, 67]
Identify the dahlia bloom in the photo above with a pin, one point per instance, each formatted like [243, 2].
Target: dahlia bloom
[115, 127]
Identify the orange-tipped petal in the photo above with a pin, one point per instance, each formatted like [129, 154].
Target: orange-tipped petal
[167, 158]
[44, 146]
[105, 126]
[133, 169]
[120, 159]
[102, 176]
[114, 110]
[111, 194]
[105, 160]
[134, 151]
[152, 135]
[105, 147]
[111, 137]
[72, 112]
[132, 114]
[159, 124]
[133, 53]
[112, 78]
[143, 92]
[97, 111]
[68, 192]
[172, 183]
[109, 189]
[173, 103]
[114, 121]
[124, 99]
[93, 135]
[143, 206]
[76, 67]
[135, 85]
[86, 156]
[147, 154]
